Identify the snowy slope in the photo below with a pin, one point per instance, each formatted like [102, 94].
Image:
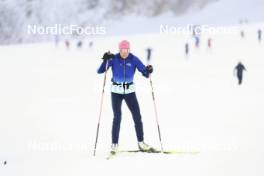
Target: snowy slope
[50, 101]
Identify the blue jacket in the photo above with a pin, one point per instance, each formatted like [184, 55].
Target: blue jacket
[124, 69]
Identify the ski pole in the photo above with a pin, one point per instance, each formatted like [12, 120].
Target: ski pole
[156, 113]
[100, 111]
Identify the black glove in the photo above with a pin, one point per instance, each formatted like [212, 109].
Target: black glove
[108, 56]
[149, 69]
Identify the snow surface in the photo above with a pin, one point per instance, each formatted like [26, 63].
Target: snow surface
[50, 104]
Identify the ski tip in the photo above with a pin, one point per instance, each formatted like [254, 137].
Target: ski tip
[111, 155]
[180, 152]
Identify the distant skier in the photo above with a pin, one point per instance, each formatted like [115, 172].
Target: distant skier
[90, 44]
[149, 50]
[259, 35]
[79, 44]
[242, 34]
[186, 49]
[67, 44]
[209, 43]
[124, 65]
[197, 41]
[239, 72]
[56, 38]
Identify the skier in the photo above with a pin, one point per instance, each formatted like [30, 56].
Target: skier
[56, 38]
[90, 44]
[242, 34]
[67, 44]
[197, 41]
[259, 35]
[239, 72]
[149, 50]
[79, 44]
[123, 66]
[209, 43]
[186, 49]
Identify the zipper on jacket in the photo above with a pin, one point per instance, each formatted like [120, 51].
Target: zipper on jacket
[124, 75]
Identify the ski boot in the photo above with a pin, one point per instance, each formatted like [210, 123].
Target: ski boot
[143, 147]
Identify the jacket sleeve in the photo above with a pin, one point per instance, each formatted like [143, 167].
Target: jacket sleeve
[141, 67]
[102, 68]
